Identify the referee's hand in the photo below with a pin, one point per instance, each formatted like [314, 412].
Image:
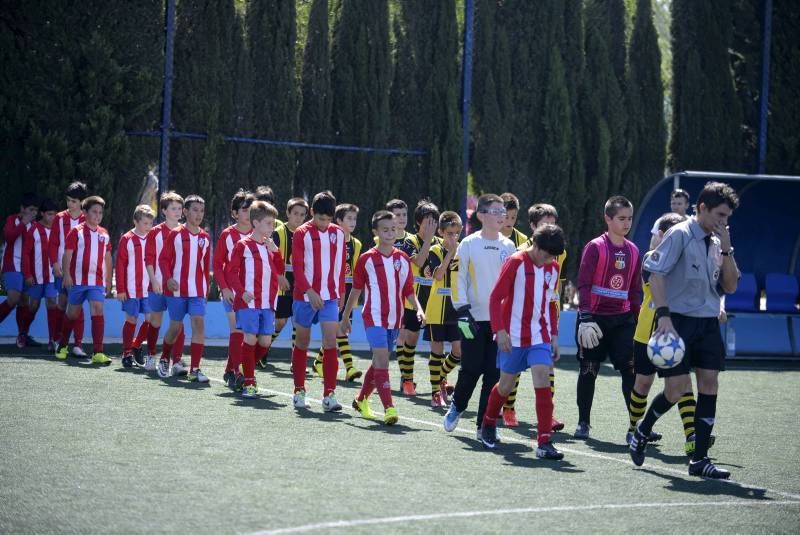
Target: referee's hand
[665, 326]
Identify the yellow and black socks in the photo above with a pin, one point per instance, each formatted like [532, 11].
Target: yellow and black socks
[435, 368]
[552, 384]
[450, 362]
[636, 408]
[686, 408]
[405, 361]
[343, 342]
[512, 397]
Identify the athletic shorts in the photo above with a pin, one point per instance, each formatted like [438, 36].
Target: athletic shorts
[59, 284]
[616, 343]
[80, 293]
[134, 307]
[227, 306]
[157, 302]
[381, 337]
[283, 309]
[410, 321]
[305, 316]
[704, 346]
[13, 280]
[180, 306]
[258, 321]
[520, 359]
[447, 332]
[37, 291]
[641, 362]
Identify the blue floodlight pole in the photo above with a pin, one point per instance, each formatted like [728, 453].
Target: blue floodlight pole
[166, 95]
[469, 12]
[764, 96]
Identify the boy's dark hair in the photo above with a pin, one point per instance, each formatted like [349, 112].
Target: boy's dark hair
[77, 190]
[241, 199]
[669, 220]
[261, 209]
[265, 193]
[324, 203]
[396, 204]
[192, 199]
[88, 202]
[47, 205]
[29, 199]
[615, 204]
[485, 200]
[344, 209]
[539, 211]
[447, 219]
[549, 238]
[143, 210]
[169, 198]
[425, 208]
[379, 216]
[680, 193]
[294, 202]
[510, 201]
[716, 193]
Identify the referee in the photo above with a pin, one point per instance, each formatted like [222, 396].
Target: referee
[689, 272]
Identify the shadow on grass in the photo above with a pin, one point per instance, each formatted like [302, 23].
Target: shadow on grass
[181, 382]
[262, 402]
[708, 487]
[322, 416]
[521, 455]
[378, 426]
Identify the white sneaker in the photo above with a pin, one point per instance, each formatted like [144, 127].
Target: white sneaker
[180, 368]
[299, 400]
[197, 375]
[163, 368]
[77, 351]
[329, 404]
[150, 363]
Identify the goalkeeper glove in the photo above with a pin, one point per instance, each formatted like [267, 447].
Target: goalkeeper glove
[466, 323]
[589, 333]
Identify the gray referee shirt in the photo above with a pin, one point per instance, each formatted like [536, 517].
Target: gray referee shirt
[691, 262]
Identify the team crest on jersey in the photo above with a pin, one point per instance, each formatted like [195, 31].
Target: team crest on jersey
[548, 277]
[201, 242]
[333, 237]
[101, 238]
[617, 281]
[397, 265]
[503, 255]
[619, 260]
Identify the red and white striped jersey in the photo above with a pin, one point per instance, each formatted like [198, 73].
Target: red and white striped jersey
[89, 248]
[153, 247]
[521, 302]
[13, 234]
[223, 249]
[132, 276]
[254, 269]
[35, 254]
[186, 257]
[318, 258]
[387, 281]
[62, 224]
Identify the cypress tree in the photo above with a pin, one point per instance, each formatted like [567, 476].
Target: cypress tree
[240, 155]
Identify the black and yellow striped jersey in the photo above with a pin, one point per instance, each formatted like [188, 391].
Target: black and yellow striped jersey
[646, 321]
[423, 277]
[400, 243]
[282, 237]
[439, 308]
[518, 238]
[352, 252]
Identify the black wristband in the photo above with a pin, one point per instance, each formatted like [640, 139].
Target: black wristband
[662, 311]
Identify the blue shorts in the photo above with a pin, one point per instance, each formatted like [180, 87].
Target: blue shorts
[80, 293]
[37, 291]
[13, 280]
[258, 321]
[227, 306]
[134, 307]
[522, 358]
[180, 306]
[59, 284]
[156, 302]
[381, 337]
[305, 316]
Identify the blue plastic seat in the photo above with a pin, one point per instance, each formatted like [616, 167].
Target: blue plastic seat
[782, 292]
[744, 299]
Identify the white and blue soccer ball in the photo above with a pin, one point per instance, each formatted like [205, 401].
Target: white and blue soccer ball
[666, 351]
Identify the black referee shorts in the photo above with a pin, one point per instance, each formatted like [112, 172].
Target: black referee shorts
[704, 346]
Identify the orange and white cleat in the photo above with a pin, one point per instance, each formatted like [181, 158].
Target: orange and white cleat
[409, 388]
[510, 417]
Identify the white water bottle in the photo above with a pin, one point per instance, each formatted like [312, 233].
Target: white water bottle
[730, 341]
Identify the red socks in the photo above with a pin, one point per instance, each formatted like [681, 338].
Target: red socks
[196, 352]
[299, 361]
[235, 341]
[5, 310]
[53, 320]
[368, 385]
[152, 339]
[23, 313]
[166, 349]
[66, 329]
[142, 335]
[249, 364]
[383, 386]
[98, 326]
[330, 367]
[177, 346]
[78, 326]
[127, 336]
[493, 406]
[544, 415]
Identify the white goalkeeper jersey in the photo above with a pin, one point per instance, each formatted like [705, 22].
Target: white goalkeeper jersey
[480, 261]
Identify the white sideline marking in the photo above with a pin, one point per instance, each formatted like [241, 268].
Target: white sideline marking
[497, 512]
[505, 438]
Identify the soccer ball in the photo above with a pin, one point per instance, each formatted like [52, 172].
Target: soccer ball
[666, 351]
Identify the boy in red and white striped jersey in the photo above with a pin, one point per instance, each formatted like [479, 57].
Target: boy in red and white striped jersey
[65, 221]
[13, 234]
[87, 276]
[132, 281]
[185, 264]
[38, 273]
[384, 274]
[524, 318]
[228, 238]
[171, 206]
[252, 276]
[318, 257]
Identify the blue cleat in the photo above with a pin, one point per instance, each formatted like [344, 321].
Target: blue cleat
[451, 418]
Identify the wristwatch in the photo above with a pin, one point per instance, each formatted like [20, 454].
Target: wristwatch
[729, 252]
